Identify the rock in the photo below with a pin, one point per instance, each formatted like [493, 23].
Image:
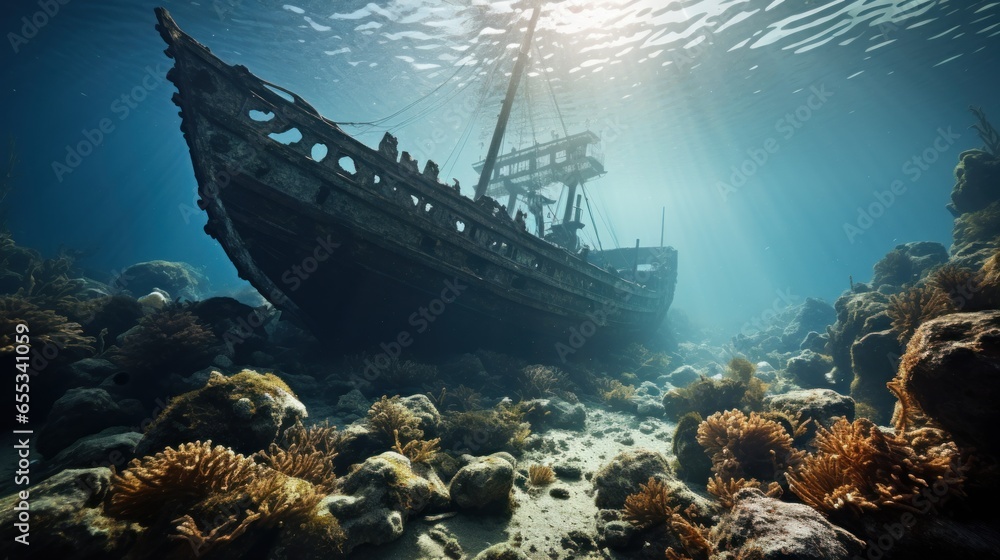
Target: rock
[613, 531]
[907, 263]
[89, 371]
[813, 315]
[951, 370]
[422, 407]
[858, 313]
[693, 463]
[977, 177]
[765, 372]
[502, 551]
[246, 412]
[111, 447]
[353, 402]
[373, 502]
[484, 483]
[623, 475]
[815, 341]
[555, 413]
[809, 369]
[875, 359]
[820, 405]
[178, 279]
[78, 413]
[559, 493]
[67, 520]
[763, 527]
[683, 376]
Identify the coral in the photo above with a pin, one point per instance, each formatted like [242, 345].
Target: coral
[857, 469]
[640, 361]
[987, 133]
[167, 341]
[390, 418]
[46, 328]
[407, 373]
[417, 450]
[539, 381]
[958, 283]
[306, 453]
[725, 489]
[176, 479]
[501, 428]
[462, 397]
[541, 475]
[650, 505]
[618, 395]
[706, 396]
[744, 446]
[199, 481]
[979, 226]
[741, 369]
[693, 537]
[915, 306]
[116, 314]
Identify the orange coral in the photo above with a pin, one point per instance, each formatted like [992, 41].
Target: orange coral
[725, 490]
[744, 446]
[858, 468]
[915, 306]
[167, 340]
[650, 505]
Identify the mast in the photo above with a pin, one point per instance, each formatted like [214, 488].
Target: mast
[522, 59]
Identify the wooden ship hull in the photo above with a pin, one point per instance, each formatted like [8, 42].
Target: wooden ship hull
[369, 252]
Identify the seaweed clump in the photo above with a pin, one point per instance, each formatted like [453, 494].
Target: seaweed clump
[400, 427]
[501, 428]
[743, 446]
[858, 469]
[167, 341]
[46, 328]
[739, 389]
[915, 306]
[306, 453]
[212, 497]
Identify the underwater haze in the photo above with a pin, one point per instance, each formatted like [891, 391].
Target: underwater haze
[788, 144]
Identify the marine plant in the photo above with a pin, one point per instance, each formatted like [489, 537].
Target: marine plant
[858, 468]
[981, 225]
[169, 340]
[650, 505]
[913, 307]
[501, 428]
[201, 481]
[541, 475]
[743, 446]
[392, 420]
[417, 450]
[986, 132]
[46, 328]
[618, 395]
[725, 489]
[741, 369]
[641, 361]
[960, 284]
[306, 453]
[539, 381]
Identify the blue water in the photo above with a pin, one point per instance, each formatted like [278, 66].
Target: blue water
[822, 104]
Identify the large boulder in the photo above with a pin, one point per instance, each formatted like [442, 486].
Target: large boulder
[762, 527]
[858, 313]
[907, 263]
[82, 412]
[977, 181]
[623, 475]
[813, 315]
[178, 279]
[951, 370]
[809, 369]
[875, 358]
[64, 519]
[374, 501]
[111, 447]
[246, 412]
[823, 406]
[484, 483]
